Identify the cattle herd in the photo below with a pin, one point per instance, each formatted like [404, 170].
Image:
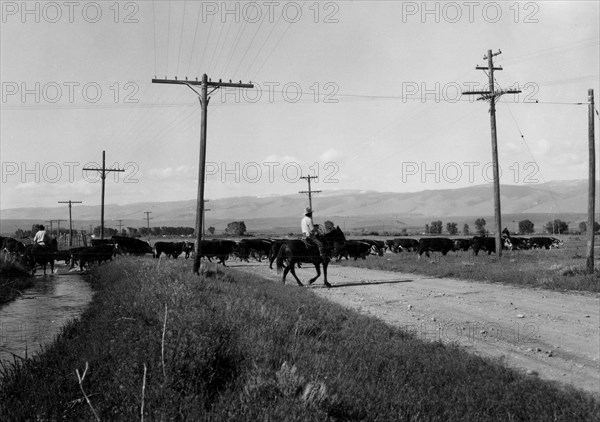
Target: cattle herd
[103, 250]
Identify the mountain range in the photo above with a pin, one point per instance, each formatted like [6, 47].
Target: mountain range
[545, 201]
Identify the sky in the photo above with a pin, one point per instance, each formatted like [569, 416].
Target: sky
[366, 95]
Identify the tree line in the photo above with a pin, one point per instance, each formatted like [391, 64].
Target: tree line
[556, 226]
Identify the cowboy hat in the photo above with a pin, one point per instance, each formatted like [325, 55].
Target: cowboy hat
[307, 211]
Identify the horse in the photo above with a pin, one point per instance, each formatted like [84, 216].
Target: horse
[295, 251]
[42, 255]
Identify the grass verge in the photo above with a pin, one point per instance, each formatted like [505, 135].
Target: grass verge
[554, 269]
[160, 344]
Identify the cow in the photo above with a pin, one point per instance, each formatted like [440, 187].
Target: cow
[435, 244]
[462, 244]
[545, 242]
[256, 248]
[188, 249]
[484, 243]
[90, 254]
[173, 249]
[220, 249]
[13, 246]
[132, 245]
[397, 245]
[377, 246]
[516, 243]
[353, 248]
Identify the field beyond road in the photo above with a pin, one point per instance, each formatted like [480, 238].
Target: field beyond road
[158, 341]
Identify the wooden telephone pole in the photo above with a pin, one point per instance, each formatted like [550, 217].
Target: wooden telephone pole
[70, 219]
[120, 224]
[102, 172]
[591, 184]
[148, 218]
[204, 99]
[492, 96]
[309, 191]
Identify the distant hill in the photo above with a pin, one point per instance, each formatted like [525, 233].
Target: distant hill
[555, 199]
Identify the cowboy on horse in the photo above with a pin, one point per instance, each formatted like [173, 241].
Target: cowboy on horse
[310, 232]
[315, 248]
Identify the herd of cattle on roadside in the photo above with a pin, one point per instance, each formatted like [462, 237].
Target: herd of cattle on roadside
[103, 250]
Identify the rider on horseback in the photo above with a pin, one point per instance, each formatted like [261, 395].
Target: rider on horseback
[310, 234]
[42, 238]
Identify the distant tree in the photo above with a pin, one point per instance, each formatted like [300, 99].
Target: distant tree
[526, 227]
[452, 228]
[236, 228]
[557, 226]
[211, 230]
[426, 228]
[404, 232]
[435, 227]
[132, 232]
[466, 230]
[583, 227]
[480, 226]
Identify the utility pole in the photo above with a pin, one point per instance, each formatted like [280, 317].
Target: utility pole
[148, 218]
[70, 219]
[492, 96]
[58, 229]
[204, 99]
[50, 221]
[591, 184]
[309, 191]
[120, 226]
[204, 217]
[102, 172]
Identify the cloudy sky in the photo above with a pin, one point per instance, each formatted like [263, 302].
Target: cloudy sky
[364, 94]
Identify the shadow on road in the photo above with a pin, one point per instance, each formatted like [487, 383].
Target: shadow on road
[365, 283]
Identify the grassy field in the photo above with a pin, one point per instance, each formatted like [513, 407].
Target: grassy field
[159, 342]
[555, 269]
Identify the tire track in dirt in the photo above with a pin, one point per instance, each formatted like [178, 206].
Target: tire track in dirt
[552, 334]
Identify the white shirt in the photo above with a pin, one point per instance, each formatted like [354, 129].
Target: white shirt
[41, 237]
[307, 226]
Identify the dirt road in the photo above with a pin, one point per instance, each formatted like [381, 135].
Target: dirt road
[553, 335]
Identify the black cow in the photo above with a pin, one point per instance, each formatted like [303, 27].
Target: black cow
[257, 248]
[173, 249]
[462, 244]
[132, 245]
[13, 246]
[516, 243]
[90, 254]
[484, 243]
[545, 242]
[220, 249]
[188, 249]
[353, 248]
[435, 244]
[377, 246]
[397, 245]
